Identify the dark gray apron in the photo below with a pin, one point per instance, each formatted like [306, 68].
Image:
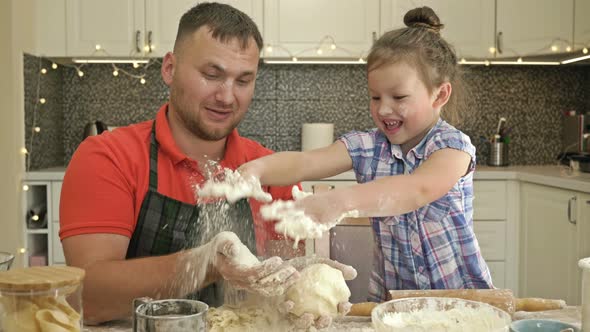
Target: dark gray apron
[166, 225]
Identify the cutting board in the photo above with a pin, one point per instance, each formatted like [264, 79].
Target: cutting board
[499, 298]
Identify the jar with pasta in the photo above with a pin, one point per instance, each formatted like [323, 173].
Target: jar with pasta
[41, 299]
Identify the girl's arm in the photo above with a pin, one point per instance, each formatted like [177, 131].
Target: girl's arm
[285, 168]
[392, 195]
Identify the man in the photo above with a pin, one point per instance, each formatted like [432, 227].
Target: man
[131, 193]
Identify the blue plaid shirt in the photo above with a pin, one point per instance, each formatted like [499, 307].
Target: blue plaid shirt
[433, 247]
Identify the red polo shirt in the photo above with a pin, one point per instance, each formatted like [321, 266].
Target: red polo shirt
[108, 178]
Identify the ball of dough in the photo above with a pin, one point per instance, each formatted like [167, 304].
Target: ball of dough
[318, 291]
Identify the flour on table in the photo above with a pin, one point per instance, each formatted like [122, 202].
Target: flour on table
[293, 222]
[234, 187]
[458, 319]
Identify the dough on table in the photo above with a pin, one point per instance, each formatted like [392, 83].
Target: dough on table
[318, 291]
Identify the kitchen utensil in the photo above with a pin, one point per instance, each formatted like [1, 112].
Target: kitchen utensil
[584, 264]
[501, 123]
[434, 313]
[176, 315]
[498, 154]
[541, 325]
[35, 298]
[94, 128]
[5, 261]
[499, 298]
[580, 162]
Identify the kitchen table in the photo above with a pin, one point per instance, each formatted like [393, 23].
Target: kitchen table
[571, 315]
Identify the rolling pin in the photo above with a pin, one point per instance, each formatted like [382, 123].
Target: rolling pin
[499, 298]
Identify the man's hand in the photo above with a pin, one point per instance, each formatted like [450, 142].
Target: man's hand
[236, 264]
[233, 186]
[307, 320]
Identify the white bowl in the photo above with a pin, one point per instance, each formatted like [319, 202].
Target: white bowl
[437, 314]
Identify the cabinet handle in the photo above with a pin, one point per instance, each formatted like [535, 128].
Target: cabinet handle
[150, 41]
[499, 42]
[569, 210]
[137, 39]
[374, 37]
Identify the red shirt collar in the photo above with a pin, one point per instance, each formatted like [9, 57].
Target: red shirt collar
[235, 152]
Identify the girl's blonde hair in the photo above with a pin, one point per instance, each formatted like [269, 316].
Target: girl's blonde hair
[421, 46]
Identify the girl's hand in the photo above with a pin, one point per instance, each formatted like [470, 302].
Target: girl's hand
[321, 207]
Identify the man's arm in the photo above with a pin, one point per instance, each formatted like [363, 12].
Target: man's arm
[111, 282]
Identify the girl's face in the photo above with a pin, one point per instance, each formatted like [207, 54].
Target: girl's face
[401, 105]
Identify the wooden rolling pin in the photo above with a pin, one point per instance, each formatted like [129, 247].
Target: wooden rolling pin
[499, 298]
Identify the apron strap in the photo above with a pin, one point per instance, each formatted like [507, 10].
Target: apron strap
[154, 145]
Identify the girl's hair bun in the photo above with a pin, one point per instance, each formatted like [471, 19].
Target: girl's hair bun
[423, 17]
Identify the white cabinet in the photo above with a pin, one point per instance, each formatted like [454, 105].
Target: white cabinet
[555, 233]
[320, 28]
[41, 218]
[495, 222]
[526, 27]
[132, 27]
[50, 28]
[472, 35]
[582, 24]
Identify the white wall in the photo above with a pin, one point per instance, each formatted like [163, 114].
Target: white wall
[15, 35]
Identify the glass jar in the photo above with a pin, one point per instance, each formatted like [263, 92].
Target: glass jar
[39, 299]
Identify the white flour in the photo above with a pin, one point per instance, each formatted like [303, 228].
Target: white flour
[294, 223]
[234, 187]
[458, 319]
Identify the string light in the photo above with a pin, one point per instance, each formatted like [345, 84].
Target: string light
[135, 65]
[24, 150]
[568, 49]
[25, 187]
[54, 65]
[80, 73]
[97, 47]
[115, 73]
[35, 217]
[37, 129]
[22, 250]
[42, 100]
[585, 50]
[43, 71]
[142, 80]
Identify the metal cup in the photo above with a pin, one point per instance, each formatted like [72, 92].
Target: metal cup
[177, 315]
[498, 154]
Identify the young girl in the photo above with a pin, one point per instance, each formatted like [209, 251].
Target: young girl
[415, 171]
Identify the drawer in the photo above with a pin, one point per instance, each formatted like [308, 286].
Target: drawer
[55, 193]
[498, 272]
[57, 250]
[489, 202]
[492, 239]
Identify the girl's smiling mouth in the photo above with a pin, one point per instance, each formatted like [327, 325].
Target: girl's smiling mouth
[392, 126]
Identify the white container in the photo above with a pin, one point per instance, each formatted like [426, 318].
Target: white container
[316, 135]
[584, 264]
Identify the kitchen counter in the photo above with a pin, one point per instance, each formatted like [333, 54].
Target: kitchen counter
[571, 315]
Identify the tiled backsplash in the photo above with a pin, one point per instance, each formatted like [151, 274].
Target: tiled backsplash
[531, 98]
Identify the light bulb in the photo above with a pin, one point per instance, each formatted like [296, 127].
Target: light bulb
[37, 129]
[142, 80]
[361, 60]
[146, 48]
[519, 60]
[333, 46]
[43, 71]
[42, 100]
[568, 49]
[152, 47]
[80, 73]
[135, 65]
[35, 217]
[97, 47]
[25, 187]
[463, 60]
[22, 250]
[585, 50]
[269, 49]
[294, 59]
[487, 63]
[24, 150]
[492, 50]
[54, 65]
[319, 51]
[115, 72]
[554, 48]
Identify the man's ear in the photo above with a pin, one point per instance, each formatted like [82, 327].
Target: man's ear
[168, 67]
[443, 95]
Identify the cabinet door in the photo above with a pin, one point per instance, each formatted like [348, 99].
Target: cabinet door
[472, 35]
[549, 255]
[309, 28]
[112, 24]
[582, 24]
[162, 18]
[532, 26]
[50, 31]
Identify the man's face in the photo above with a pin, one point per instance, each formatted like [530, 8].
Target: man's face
[211, 83]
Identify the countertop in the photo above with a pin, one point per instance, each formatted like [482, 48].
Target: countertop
[550, 175]
[571, 315]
